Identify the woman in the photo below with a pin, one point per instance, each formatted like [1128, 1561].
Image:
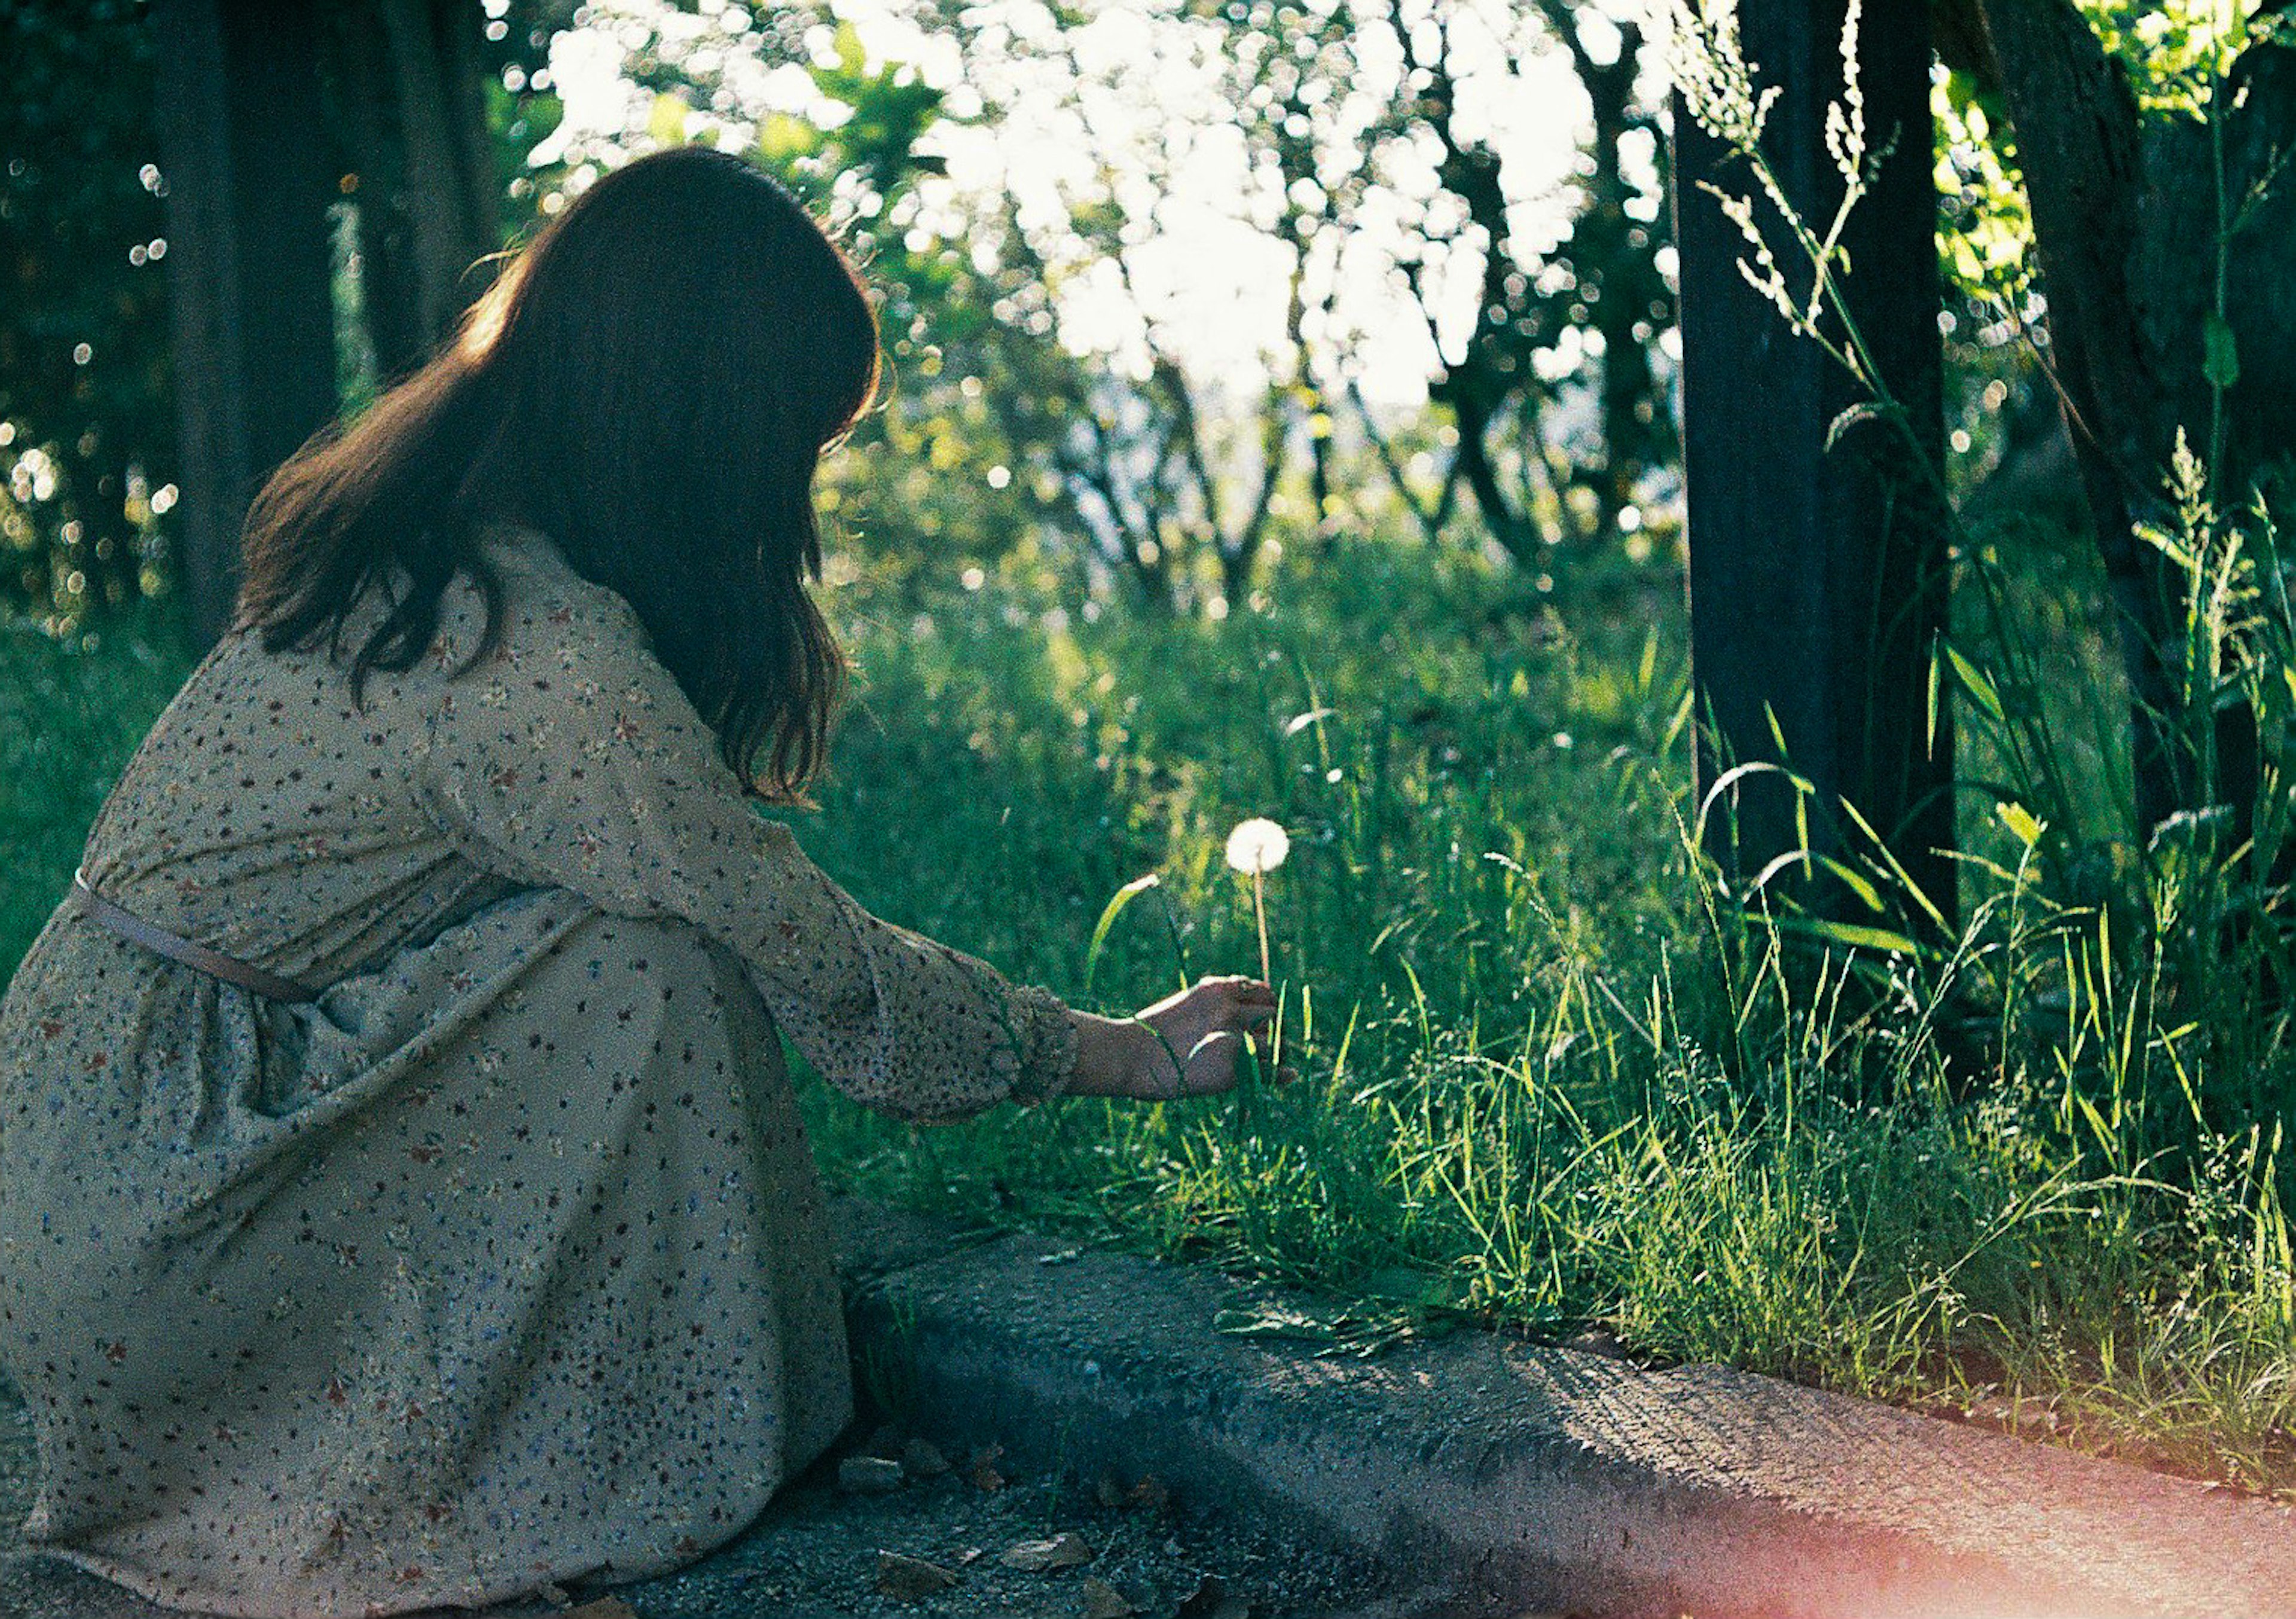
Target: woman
[402, 1200]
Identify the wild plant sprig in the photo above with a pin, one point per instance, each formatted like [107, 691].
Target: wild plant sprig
[1707, 64]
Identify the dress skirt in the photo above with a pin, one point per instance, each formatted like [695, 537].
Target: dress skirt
[504, 1264]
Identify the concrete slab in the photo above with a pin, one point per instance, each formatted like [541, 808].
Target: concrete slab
[1548, 1479]
[1518, 1478]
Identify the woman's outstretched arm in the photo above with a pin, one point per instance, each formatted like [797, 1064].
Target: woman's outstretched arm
[571, 757]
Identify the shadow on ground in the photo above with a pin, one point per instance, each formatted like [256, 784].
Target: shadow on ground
[824, 1549]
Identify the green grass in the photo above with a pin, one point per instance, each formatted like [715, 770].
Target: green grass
[70, 713]
[1550, 1080]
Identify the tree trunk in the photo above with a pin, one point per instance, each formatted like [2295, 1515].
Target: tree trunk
[248, 190]
[409, 93]
[2125, 223]
[1818, 577]
[1619, 273]
[2078, 140]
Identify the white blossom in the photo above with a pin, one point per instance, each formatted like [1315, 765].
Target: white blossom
[1258, 845]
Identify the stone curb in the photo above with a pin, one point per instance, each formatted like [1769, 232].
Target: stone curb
[1508, 1477]
[1527, 1478]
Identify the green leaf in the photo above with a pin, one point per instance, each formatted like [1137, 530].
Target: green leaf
[1977, 683]
[1858, 936]
[2219, 352]
[1854, 880]
[1936, 680]
[1896, 867]
[1114, 908]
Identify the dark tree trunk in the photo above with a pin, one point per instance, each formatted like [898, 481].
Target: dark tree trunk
[2079, 145]
[2126, 222]
[2260, 277]
[249, 186]
[407, 84]
[1817, 578]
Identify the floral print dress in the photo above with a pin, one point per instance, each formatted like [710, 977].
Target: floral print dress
[504, 1260]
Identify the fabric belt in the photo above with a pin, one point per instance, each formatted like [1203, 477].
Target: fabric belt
[230, 969]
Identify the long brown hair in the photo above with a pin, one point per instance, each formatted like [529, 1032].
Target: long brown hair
[651, 384]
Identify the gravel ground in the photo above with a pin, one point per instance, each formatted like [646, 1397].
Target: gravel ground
[906, 1533]
[823, 1549]
[959, 1541]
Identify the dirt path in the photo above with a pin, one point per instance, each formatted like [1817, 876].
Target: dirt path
[942, 1546]
[925, 1538]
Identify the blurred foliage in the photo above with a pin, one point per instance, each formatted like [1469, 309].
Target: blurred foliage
[1549, 427]
[997, 429]
[72, 709]
[87, 426]
[86, 429]
[1559, 395]
[1998, 396]
[2173, 50]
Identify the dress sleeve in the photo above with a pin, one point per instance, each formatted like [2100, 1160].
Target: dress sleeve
[573, 757]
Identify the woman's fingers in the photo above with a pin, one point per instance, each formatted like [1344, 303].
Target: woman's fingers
[1212, 1065]
[1221, 1060]
[1227, 1015]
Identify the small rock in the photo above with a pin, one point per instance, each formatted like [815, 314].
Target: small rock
[555, 1595]
[1212, 1599]
[1597, 1340]
[907, 1578]
[1103, 1600]
[868, 1476]
[985, 1476]
[1108, 1492]
[1042, 1557]
[923, 1459]
[604, 1607]
[2025, 1418]
[2038, 1419]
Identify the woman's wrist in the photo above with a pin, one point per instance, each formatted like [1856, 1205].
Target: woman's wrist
[1115, 1055]
[1046, 1048]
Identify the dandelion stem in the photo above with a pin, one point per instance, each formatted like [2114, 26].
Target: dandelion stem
[1259, 914]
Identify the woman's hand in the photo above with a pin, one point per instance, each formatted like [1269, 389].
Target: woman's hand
[1204, 1028]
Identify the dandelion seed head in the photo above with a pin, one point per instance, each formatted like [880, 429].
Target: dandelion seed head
[1258, 845]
